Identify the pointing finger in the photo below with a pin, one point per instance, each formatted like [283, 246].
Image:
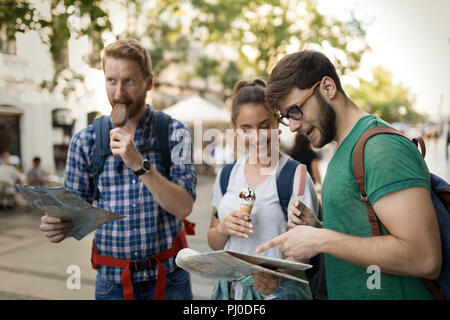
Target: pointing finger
[271, 243]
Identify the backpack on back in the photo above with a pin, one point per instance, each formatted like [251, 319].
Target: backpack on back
[160, 123]
[440, 195]
[285, 184]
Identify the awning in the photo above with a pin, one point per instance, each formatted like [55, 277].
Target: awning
[11, 110]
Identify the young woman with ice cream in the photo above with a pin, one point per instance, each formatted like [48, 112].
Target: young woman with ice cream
[249, 212]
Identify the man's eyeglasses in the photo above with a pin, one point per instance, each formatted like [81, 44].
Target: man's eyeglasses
[295, 111]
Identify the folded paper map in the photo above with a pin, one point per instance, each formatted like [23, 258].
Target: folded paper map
[61, 203]
[229, 265]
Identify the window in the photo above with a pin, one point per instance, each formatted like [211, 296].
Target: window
[10, 134]
[6, 46]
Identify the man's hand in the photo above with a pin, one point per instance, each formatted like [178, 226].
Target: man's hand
[265, 283]
[122, 145]
[301, 215]
[54, 228]
[301, 243]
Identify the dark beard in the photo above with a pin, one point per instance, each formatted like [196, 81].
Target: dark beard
[327, 120]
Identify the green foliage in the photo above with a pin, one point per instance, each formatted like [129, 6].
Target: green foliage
[68, 19]
[168, 36]
[261, 32]
[16, 16]
[244, 38]
[381, 96]
[230, 77]
[256, 35]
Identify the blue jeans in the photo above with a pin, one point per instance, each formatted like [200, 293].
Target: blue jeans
[178, 287]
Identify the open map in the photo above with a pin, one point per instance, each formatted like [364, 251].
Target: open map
[229, 265]
[61, 203]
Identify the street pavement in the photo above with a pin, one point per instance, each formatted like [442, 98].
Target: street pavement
[33, 268]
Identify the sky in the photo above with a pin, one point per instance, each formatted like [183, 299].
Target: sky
[410, 38]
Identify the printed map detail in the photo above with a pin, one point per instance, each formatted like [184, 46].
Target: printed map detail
[229, 265]
[61, 203]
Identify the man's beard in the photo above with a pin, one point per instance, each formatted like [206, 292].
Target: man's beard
[327, 121]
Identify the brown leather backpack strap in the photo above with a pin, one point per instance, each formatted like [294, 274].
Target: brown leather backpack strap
[373, 219]
[358, 172]
[433, 289]
[444, 195]
[419, 142]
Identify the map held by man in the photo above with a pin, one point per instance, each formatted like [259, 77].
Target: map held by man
[61, 203]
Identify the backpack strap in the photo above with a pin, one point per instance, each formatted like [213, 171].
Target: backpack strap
[419, 142]
[358, 173]
[225, 176]
[224, 179]
[160, 122]
[285, 184]
[102, 150]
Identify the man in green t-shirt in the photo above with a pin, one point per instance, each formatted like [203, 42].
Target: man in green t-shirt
[305, 88]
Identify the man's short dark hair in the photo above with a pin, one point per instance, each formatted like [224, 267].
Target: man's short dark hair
[298, 70]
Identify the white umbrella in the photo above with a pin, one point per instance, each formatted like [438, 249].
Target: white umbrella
[196, 108]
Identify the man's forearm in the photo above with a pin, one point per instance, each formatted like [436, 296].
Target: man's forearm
[391, 254]
[170, 196]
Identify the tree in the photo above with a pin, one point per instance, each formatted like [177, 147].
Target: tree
[381, 96]
[56, 22]
[260, 32]
[230, 40]
[223, 40]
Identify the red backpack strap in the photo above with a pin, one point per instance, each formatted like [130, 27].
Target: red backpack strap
[189, 226]
[358, 171]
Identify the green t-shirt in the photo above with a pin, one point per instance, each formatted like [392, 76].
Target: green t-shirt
[391, 163]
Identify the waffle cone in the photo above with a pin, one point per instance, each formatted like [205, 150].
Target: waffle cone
[246, 209]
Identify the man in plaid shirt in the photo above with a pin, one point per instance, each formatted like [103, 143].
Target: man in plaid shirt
[131, 184]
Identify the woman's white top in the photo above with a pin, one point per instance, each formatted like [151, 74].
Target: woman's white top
[267, 216]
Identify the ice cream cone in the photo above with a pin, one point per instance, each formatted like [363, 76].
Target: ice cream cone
[247, 200]
[245, 208]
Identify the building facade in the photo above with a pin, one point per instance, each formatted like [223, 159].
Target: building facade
[33, 121]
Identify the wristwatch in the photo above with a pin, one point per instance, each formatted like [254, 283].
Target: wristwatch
[146, 167]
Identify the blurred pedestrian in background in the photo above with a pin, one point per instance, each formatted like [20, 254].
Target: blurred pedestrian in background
[9, 176]
[35, 176]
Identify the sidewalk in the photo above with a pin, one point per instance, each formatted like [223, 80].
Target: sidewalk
[33, 268]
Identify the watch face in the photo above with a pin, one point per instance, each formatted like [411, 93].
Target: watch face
[146, 165]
